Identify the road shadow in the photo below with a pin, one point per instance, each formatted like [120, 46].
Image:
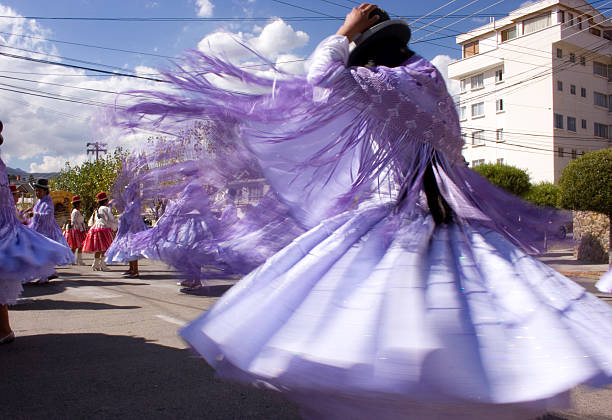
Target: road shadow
[98, 376]
[59, 285]
[49, 304]
[208, 291]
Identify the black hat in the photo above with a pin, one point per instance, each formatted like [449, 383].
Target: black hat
[42, 183]
[385, 28]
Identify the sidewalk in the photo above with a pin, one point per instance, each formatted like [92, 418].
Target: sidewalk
[585, 274]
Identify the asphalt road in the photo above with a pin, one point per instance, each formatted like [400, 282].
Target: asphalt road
[95, 345]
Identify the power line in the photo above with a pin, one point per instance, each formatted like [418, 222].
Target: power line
[36, 60]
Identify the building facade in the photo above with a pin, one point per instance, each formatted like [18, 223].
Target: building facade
[536, 87]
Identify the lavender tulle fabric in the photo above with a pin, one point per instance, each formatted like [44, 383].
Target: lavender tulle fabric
[604, 285]
[44, 222]
[24, 254]
[375, 311]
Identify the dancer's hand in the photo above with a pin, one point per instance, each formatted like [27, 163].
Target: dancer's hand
[358, 20]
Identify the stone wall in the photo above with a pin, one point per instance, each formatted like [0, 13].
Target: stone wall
[592, 237]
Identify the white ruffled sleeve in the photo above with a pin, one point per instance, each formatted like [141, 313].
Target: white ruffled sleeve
[329, 58]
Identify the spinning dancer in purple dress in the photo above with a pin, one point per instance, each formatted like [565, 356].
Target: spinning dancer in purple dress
[411, 295]
[24, 254]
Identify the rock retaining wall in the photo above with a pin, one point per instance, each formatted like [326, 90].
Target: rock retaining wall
[592, 237]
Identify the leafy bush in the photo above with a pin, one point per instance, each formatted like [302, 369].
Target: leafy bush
[544, 194]
[586, 183]
[508, 177]
[88, 179]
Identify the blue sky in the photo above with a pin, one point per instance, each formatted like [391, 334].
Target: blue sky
[43, 133]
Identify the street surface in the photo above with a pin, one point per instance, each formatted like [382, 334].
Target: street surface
[96, 345]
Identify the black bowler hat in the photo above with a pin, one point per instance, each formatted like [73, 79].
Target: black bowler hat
[42, 183]
[385, 28]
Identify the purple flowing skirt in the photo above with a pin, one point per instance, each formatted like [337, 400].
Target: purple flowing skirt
[374, 314]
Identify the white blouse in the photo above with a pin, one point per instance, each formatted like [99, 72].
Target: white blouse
[77, 220]
[103, 218]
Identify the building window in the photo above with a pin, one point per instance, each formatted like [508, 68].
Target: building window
[558, 121]
[561, 16]
[500, 161]
[477, 162]
[582, 60]
[559, 53]
[584, 124]
[601, 130]
[478, 109]
[508, 34]
[477, 82]
[499, 76]
[574, 153]
[536, 23]
[573, 89]
[609, 72]
[499, 135]
[610, 103]
[583, 92]
[579, 19]
[593, 28]
[572, 58]
[560, 152]
[478, 138]
[571, 124]
[600, 99]
[600, 69]
[463, 113]
[464, 83]
[499, 105]
[570, 19]
[470, 49]
[560, 85]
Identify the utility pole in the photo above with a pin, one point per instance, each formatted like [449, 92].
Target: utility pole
[96, 148]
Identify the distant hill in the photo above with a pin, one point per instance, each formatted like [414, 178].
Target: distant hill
[25, 175]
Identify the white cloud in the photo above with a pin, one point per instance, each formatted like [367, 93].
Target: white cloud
[441, 62]
[274, 39]
[528, 3]
[204, 8]
[55, 163]
[42, 134]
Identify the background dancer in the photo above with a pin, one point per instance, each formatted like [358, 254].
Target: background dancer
[100, 235]
[76, 231]
[419, 301]
[43, 219]
[24, 253]
[130, 223]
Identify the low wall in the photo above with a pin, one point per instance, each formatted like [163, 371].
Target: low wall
[592, 237]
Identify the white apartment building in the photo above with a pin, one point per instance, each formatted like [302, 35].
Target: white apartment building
[536, 87]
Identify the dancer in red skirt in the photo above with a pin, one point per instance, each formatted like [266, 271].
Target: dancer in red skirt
[77, 231]
[100, 236]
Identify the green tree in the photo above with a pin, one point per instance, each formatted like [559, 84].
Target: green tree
[89, 178]
[508, 177]
[586, 184]
[544, 194]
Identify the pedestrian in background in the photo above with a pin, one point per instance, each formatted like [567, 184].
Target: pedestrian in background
[76, 230]
[102, 223]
